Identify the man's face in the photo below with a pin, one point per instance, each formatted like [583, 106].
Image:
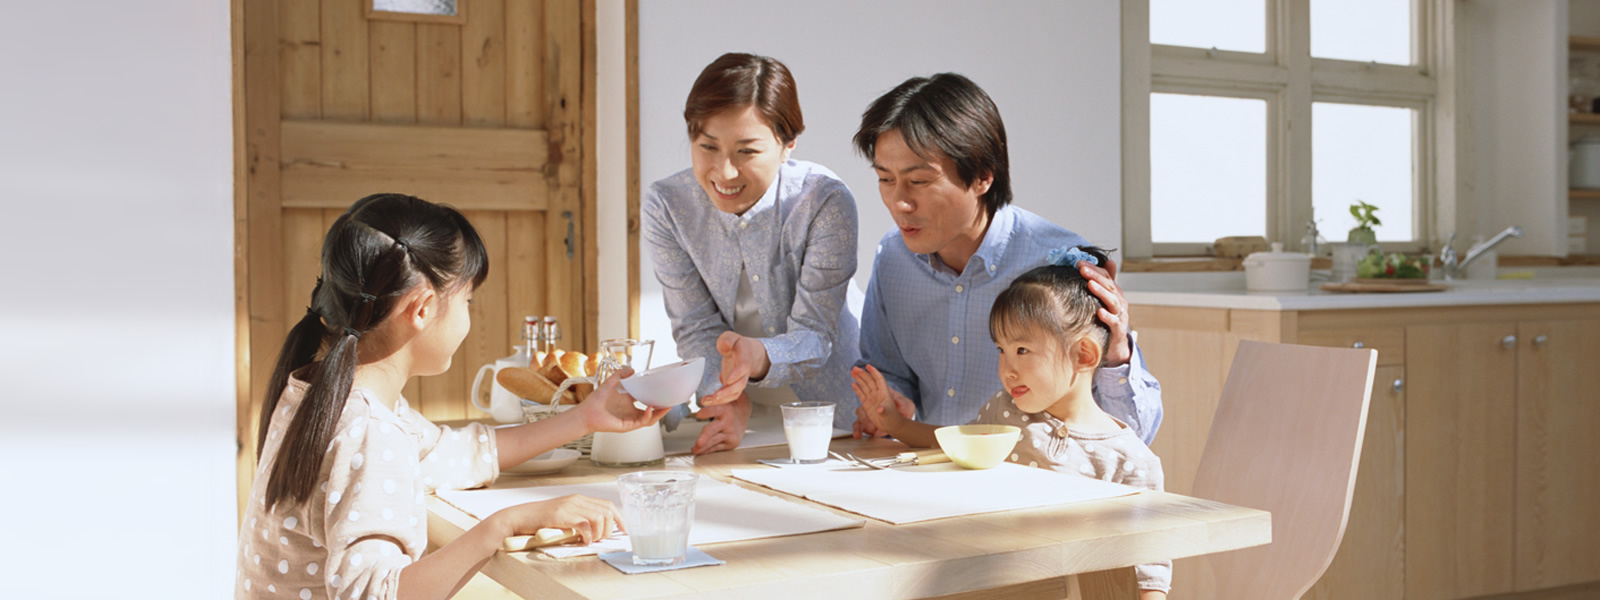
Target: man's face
[933, 210]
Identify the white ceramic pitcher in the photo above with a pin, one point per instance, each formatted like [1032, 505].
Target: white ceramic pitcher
[504, 406]
[642, 446]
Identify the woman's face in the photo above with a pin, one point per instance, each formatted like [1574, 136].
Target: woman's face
[736, 157]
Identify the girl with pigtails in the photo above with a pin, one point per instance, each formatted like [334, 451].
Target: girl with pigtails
[336, 509]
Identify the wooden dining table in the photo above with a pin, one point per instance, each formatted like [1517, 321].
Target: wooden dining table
[1077, 550]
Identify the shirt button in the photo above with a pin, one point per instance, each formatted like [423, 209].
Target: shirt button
[771, 329]
[950, 392]
[1062, 432]
[955, 339]
[991, 268]
[1122, 380]
[743, 224]
[755, 278]
[959, 289]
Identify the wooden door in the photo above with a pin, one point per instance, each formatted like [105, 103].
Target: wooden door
[487, 115]
[1460, 454]
[1370, 563]
[1558, 450]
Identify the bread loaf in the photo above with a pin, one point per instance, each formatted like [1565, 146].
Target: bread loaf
[527, 383]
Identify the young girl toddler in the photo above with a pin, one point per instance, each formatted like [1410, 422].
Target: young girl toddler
[336, 509]
[1050, 343]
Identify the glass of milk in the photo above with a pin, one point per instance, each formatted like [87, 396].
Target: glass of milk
[808, 427]
[658, 507]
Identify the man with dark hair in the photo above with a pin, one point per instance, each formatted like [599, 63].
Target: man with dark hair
[939, 149]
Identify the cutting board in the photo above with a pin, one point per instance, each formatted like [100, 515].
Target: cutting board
[1385, 286]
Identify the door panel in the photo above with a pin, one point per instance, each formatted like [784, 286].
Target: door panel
[1460, 452]
[1558, 438]
[486, 116]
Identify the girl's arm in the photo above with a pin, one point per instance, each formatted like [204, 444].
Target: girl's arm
[876, 402]
[442, 573]
[609, 408]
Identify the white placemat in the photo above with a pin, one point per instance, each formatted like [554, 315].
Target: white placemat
[908, 495]
[723, 513]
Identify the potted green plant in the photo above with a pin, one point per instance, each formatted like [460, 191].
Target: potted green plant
[1366, 218]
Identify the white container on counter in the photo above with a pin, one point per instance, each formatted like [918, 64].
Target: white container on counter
[1277, 271]
[1584, 169]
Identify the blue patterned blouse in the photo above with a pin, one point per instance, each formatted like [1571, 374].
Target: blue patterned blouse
[798, 246]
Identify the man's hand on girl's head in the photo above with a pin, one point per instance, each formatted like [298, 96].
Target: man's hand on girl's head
[1103, 284]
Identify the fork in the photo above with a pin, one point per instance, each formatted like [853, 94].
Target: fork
[901, 459]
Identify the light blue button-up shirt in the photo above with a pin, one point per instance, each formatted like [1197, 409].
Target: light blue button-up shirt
[798, 247]
[927, 328]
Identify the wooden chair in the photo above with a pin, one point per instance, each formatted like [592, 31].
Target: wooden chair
[1286, 438]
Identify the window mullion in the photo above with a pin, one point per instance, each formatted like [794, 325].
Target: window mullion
[1289, 204]
[1136, 237]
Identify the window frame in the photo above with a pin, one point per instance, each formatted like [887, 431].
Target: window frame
[1290, 81]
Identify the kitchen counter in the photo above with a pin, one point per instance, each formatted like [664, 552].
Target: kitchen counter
[1226, 290]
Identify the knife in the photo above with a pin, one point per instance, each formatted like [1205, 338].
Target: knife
[548, 536]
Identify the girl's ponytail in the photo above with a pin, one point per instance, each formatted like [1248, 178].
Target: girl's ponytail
[373, 255]
[298, 351]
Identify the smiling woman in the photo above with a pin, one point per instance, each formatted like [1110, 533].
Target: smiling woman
[754, 252]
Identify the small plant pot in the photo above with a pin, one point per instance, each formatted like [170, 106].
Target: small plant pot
[1362, 236]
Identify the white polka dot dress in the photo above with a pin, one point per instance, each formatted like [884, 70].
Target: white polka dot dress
[366, 520]
[1117, 456]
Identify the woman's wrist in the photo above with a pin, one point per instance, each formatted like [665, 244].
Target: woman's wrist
[760, 363]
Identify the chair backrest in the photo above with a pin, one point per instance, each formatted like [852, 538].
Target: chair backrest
[1286, 438]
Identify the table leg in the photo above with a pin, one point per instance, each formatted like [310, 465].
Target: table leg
[1118, 584]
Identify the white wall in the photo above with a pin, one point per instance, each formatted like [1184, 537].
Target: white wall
[1052, 67]
[116, 306]
[1519, 103]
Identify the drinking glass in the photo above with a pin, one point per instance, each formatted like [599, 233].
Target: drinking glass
[809, 427]
[658, 507]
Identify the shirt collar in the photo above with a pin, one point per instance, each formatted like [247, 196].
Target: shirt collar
[991, 251]
[767, 201]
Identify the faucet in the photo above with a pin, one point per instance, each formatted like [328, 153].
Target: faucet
[1447, 256]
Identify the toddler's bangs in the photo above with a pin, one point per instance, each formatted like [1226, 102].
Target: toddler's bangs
[1024, 312]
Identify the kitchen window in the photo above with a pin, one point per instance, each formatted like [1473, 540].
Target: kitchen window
[1248, 117]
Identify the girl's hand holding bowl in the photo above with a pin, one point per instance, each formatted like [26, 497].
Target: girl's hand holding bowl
[666, 386]
[612, 409]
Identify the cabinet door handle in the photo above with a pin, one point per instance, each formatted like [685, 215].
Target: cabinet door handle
[1509, 342]
[1358, 345]
[1540, 340]
[1399, 385]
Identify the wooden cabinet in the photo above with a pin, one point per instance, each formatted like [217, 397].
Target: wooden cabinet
[1558, 453]
[1480, 469]
[1460, 456]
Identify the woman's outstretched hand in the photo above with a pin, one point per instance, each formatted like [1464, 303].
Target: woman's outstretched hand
[743, 359]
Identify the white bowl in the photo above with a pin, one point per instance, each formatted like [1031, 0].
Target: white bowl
[666, 386]
[549, 462]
